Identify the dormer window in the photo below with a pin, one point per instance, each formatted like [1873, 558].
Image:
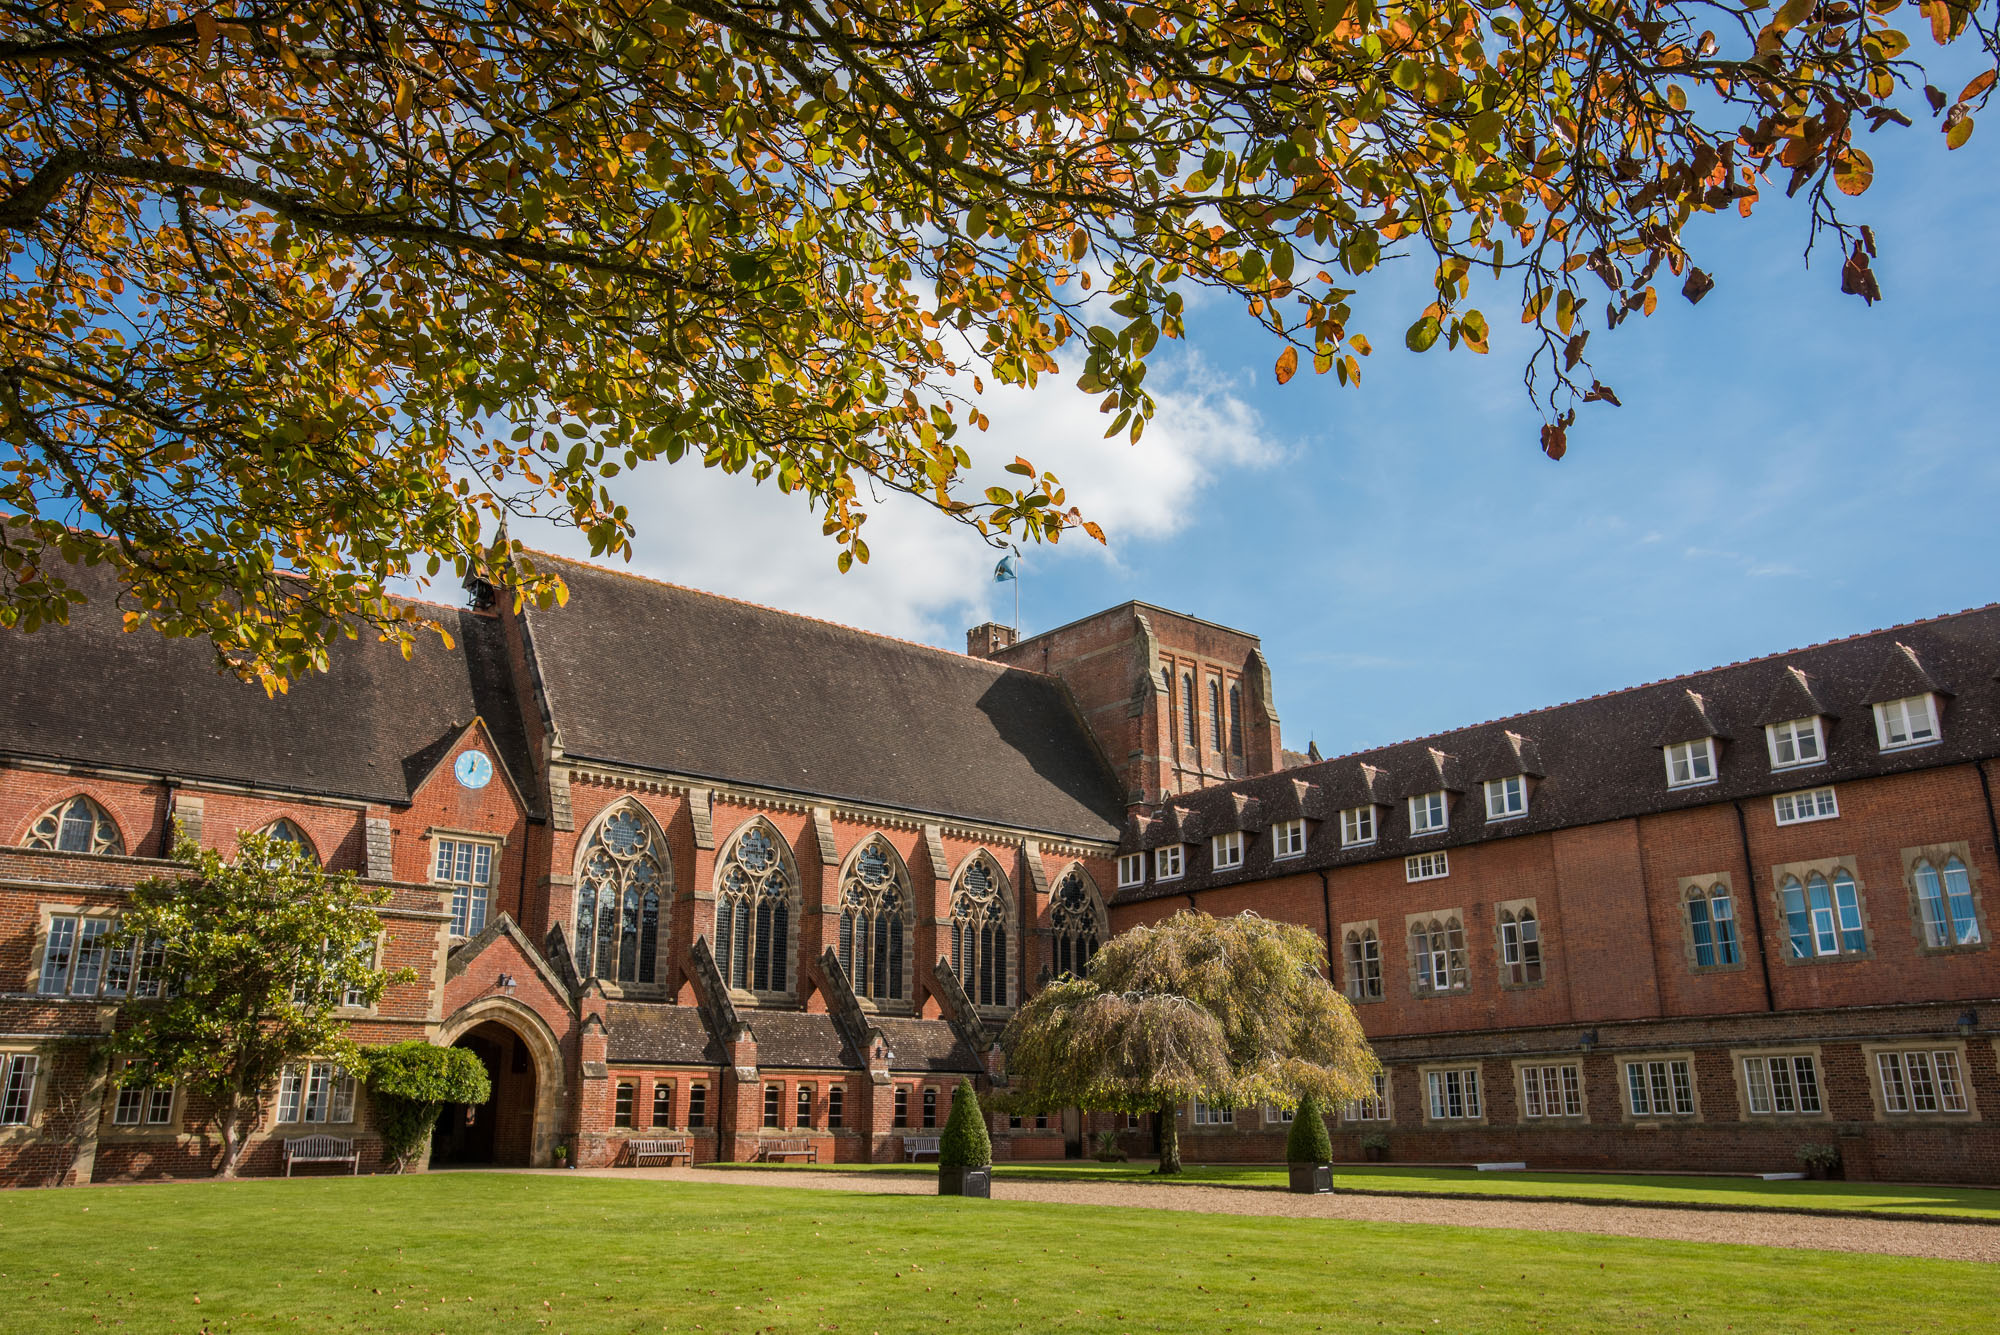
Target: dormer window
[1911, 721]
[1226, 850]
[1167, 864]
[1428, 813]
[1796, 742]
[1357, 826]
[1690, 764]
[1288, 839]
[1131, 870]
[1507, 798]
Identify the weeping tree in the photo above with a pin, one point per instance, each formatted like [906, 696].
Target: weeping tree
[1231, 1011]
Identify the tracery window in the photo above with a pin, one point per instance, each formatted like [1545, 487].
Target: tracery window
[76, 826]
[619, 886]
[284, 830]
[979, 932]
[1073, 919]
[1187, 707]
[1437, 949]
[753, 913]
[874, 899]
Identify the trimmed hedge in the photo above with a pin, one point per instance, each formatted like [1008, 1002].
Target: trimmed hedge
[965, 1143]
[1308, 1141]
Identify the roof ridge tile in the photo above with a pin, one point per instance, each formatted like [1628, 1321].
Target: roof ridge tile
[781, 611]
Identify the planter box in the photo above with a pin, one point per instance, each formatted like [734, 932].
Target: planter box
[1375, 1153]
[1312, 1179]
[966, 1182]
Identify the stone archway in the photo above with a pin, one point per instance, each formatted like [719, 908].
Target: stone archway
[522, 1123]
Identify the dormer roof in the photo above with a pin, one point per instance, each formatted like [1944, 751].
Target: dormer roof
[1793, 697]
[1687, 720]
[1902, 675]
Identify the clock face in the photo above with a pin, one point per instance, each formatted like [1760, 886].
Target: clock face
[473, 769]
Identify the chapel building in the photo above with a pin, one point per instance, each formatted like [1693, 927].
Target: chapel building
[680, 868]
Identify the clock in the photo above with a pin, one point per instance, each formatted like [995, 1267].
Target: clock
[473, 769]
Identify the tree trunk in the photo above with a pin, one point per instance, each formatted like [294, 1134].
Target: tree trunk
[231, 1120]
[1170, 1139]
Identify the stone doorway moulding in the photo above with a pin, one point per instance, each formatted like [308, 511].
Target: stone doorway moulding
[543, 1049]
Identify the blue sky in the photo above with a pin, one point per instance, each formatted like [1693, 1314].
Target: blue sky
[1789, 466]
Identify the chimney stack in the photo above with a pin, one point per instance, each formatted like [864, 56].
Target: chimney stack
[984, 641]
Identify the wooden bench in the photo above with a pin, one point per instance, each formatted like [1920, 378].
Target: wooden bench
[668, 1149]
[320, 1149]
[785, 1149]
[915, 1145]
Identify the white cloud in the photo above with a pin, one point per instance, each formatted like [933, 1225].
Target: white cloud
[929, 578]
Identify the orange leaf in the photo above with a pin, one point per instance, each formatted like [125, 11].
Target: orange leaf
[1288, 364]
[1979, 84]
[1853, 172]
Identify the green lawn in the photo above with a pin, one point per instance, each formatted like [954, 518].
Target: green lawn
[1887, 1198]
[467, 1253]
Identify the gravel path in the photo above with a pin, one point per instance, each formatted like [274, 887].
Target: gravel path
[1894, 1237]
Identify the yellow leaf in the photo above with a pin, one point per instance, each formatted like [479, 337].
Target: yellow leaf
[1956, 136]
[1288, 365]
[1853, 172]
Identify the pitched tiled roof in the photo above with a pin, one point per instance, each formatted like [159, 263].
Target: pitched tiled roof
[665, 678]
[1600, 758]
[926, 1045]
[797, 1040]
[637, 1031]
[369, 727]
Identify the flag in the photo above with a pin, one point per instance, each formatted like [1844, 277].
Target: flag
[1005, 570]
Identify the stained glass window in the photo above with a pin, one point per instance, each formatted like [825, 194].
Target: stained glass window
[619, 887]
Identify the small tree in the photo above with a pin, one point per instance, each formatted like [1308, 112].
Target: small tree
[965, 1143]
[1232, 1011]
[257, 955]
[1308, 1141]
[410, 1082]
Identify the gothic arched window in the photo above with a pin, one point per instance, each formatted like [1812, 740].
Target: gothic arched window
[284, 830]
[1364, 965]
[753, 912]
[1073, 921]
[979, 932]
[1437, 950]
[1520, 946]
[621, 880]
[874, 899]
[76, 826]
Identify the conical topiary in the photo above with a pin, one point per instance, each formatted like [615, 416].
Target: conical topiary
[965, 1143]
[1308, 1141]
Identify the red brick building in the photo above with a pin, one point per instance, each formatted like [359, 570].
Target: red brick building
[679, 866]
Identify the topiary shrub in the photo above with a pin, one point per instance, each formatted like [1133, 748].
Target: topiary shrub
[965, 1143]
[1308, 1141]
[410, 1082]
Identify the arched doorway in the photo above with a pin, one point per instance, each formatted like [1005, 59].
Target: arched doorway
[521, 1123]
[502, 1129]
